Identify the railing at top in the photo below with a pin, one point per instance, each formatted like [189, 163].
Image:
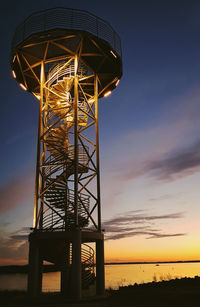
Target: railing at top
[66, 18]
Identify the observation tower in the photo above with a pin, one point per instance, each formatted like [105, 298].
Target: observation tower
[67, 59]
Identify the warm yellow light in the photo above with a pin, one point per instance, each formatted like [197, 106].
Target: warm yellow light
[13, 73]
[91, 100]
[107, 94]
[36, 96]
[34, 222]
[58, 102]
[14, 58]
[113, 53]
[23, 87]
[117, 83]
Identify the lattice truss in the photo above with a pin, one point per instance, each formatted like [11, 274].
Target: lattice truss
[67, 175]
[60, 126]
[60, 69]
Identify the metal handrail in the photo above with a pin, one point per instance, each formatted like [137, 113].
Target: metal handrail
[66, 18]
[87, 261]
[60, 70]
[59, 199]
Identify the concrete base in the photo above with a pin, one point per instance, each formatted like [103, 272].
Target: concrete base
[76, 280]
[55, 247]
[100, 272]
[65, 272]
[35, 269]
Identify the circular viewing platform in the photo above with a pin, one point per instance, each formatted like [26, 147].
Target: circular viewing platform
[54, 34]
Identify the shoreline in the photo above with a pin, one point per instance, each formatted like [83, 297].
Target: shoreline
[23, 269]
[184, 292]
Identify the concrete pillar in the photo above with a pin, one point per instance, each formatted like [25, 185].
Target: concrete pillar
[35, 269]
[100, 274]
[65, 272]
[76, 265]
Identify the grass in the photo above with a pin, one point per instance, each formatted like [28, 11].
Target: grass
[183, 292]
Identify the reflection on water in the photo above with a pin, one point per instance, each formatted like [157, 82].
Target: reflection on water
[51, 282]
[115, 275]
[13, 281]
[126, 274]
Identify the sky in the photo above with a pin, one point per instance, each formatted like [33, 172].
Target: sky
[149, 134]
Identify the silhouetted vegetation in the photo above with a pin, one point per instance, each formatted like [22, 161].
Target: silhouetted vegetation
[23, 269]
[183, 292]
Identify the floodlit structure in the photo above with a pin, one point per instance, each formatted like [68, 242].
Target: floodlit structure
[67, 59]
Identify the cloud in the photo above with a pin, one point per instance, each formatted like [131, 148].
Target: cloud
[13, 249]
[130, 216]
[123, 226]
[19, 237]
[14, 246]
[170, 166]
[16, 192]
[182, 163]
[161, 198]
[166, 149]
[146, 233]
[161, 235]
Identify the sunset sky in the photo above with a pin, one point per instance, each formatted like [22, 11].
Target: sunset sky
[149, 134]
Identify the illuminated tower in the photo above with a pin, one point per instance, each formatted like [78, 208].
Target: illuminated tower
[67, 59]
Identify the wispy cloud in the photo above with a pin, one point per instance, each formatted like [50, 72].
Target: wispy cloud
[148, 234]
[164, 235]
[15, 192]
[14, 246]
[177, 164]
[19, 237]
[161, 198]
[165, 151]
[124, 226]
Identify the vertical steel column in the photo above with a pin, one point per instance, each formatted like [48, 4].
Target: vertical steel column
[42, 123]
[97, 151]
[37, 171]
[35, 258]
[100, 274]
[76, 244]
[76, 141]
[37, 175]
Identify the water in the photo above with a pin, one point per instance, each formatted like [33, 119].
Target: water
[115, 275]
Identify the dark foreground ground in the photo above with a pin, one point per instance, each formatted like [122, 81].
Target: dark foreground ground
[179, 292]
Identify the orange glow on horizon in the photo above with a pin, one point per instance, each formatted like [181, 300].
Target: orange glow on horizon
[10, 261]
[139, 249]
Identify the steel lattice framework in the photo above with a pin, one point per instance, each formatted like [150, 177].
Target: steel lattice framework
[67, 59]
[68, 160]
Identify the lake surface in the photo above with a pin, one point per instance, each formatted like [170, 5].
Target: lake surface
[115, 275]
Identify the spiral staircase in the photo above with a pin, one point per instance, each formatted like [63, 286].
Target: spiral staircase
[59, 166]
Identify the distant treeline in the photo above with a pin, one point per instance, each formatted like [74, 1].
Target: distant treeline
[152, 262]
[23, 269]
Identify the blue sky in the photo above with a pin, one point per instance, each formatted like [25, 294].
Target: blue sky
[149, 131]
